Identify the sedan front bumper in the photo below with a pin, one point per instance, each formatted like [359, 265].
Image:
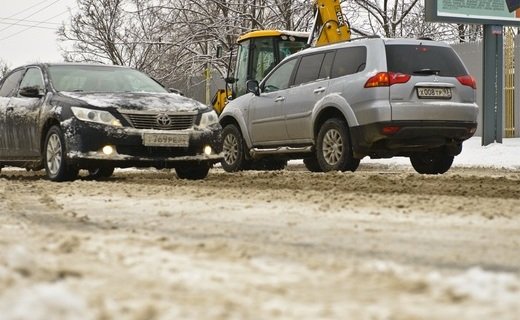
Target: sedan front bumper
[87, 142]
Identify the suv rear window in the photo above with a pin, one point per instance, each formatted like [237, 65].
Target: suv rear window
[423, 60]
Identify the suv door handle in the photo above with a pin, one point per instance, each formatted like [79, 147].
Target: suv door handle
[278, 99]
[319, 90]
[9, 109]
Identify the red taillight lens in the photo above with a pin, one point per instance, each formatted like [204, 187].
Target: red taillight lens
[385, 79]
[390, 130]
[468, 80]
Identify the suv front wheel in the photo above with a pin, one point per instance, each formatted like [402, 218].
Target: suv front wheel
[233, 149]
[333, 148]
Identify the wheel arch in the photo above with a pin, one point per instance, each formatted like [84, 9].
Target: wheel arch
[45, 128]
[327, 113]
[333, 105]
[230, 119]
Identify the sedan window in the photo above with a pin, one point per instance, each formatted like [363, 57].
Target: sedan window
[10, 84]
[33, 78]
[91, 78]
[280, 78]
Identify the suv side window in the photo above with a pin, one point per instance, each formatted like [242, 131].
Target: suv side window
[349, 61]
[33, 78]
[326, 65]
[309, 68]
[10, 83]
[280, 78]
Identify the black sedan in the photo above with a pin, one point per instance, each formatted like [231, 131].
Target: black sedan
[67, 117]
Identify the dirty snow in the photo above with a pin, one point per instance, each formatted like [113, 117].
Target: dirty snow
[380, 243]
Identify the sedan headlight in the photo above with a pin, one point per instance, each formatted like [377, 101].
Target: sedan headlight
[208, 118]
[97, 116]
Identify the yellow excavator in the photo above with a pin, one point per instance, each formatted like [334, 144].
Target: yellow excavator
[259, 51]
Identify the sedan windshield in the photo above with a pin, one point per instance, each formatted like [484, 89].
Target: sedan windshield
[84, 78]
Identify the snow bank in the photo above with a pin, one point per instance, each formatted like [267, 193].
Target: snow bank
[496, 155]
[44, 301]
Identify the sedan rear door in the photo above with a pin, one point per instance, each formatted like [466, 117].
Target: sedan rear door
[7, 90]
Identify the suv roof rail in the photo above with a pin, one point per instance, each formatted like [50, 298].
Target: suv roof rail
[372, 36]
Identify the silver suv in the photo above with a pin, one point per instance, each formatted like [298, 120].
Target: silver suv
[333, 105]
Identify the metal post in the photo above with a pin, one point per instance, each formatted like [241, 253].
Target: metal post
[492, 122]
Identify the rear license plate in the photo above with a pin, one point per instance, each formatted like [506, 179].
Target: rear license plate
[165, 139]
[432, 93]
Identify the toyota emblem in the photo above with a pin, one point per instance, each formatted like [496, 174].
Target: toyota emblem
[163, 120]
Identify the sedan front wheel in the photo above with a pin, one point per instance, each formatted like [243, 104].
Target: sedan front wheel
[56, 166]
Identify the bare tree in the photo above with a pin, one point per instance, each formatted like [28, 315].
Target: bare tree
[4, 68]
[121, 32]
[175, 40]
[382, 17]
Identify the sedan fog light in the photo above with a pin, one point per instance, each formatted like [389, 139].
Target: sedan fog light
[108, 150]
[207, 150]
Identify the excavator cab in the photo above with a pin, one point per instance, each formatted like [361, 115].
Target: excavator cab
[258, 53]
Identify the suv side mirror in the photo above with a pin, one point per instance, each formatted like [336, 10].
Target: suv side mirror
[30, 92]
[253, 87]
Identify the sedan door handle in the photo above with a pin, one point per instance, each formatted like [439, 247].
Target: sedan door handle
[279, 99]
[319, 90]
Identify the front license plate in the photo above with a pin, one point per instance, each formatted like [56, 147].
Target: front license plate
[166, 140]
[432, 93]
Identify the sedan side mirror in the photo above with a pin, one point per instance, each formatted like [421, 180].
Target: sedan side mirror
[30, 92]
[253, 87]
[177, 91]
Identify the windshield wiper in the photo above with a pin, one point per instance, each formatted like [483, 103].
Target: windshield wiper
[427, 71]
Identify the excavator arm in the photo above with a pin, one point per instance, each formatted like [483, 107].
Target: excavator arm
[330, 25]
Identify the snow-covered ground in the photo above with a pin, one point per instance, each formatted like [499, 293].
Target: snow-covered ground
[381, 243]
[497, 155]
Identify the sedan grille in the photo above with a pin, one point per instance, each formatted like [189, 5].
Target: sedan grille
[161, 121]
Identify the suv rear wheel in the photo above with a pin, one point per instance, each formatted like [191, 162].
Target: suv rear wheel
[433, 162]
[233, 149]
[312, 164]
[333, 148]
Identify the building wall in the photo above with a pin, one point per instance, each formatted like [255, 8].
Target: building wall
[471, 55]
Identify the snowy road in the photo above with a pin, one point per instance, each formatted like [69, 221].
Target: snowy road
[380, 243]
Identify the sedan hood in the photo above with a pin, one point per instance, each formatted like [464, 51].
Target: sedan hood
[160, 102]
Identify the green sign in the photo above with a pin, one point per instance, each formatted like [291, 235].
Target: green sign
[473, 11]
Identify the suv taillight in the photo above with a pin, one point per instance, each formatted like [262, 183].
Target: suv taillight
[468, 80]
[386, 79]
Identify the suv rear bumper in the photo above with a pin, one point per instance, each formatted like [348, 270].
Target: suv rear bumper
[403, 138]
